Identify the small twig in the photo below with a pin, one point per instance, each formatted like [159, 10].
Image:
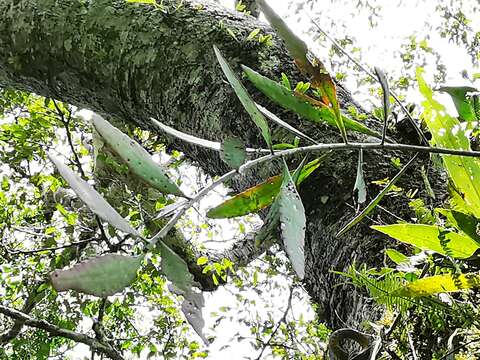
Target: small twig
[34, 251]
[282, 320]
[54, 330]
[460, 347]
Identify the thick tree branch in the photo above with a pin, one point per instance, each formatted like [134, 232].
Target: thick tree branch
[134, 62]
[54, 330]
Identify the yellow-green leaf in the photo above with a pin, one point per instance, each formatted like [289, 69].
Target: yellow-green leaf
[438, 284]
[447, 132]
[396, 256]
[258, 197]
[431, 237]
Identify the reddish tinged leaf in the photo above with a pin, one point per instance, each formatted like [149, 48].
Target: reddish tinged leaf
[251, 200]
[260, 196]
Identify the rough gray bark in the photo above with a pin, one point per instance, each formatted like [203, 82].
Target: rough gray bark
[133, 62]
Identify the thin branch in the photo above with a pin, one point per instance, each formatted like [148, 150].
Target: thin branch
[289, 152]
[282, 320]
[54, 330]
[34, 251]
[28, 306]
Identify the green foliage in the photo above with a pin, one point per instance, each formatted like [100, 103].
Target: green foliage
[287, 99]
[463, 104]
[136, 157]
[433, 238]
[447, 132]
[101, 276]
[245, 99]
[233, 152]
[258, 197]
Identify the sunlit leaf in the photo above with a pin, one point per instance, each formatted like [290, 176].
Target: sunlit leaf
[396, 256]
[100, 276]
[136, 157]
[292, 223]
[462, 222]
[439, 284]
[92, 198]
[447, 132]
[463, 104]
[285, 98]
[258, 197]
[233, 152]
[244, 98]
[433, 238]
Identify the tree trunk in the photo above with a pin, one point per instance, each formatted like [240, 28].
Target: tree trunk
[132, 62]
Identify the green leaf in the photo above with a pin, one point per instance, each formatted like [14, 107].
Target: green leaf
[382, 78]
[101, 276]
[286, 82]
[176, 270]
[439, 284]
[462, 103]
[368, 209]
[202, 260]
[396, 256]
[462, 222]
[233, 152]
[447, 132]
[137, 158]
[360, 185]
[253, 34]
[92, 198]
[433, 238]
[292, 223]
[285, 98]
[296, 47]
[244, 98]
[258, 197]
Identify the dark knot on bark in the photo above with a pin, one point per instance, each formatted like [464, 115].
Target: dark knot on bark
[337, 352]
